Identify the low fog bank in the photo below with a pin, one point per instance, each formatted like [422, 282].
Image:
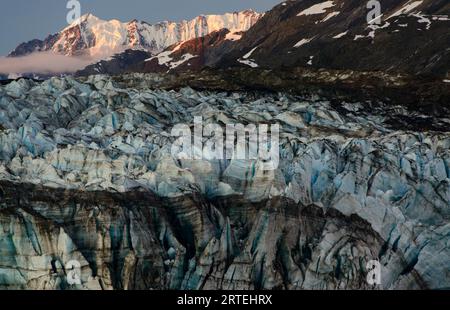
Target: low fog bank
[44, 63]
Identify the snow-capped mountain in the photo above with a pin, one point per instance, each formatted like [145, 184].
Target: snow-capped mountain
[411, 38]
[98, 38]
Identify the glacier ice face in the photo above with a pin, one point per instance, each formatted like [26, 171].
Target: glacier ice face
[349, 188]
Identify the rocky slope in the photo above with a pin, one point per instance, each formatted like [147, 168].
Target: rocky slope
[86, 174]
[411, 37]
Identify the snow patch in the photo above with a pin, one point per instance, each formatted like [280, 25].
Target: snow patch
[183, 59]
[249, 53]
[164, 57]
[14, 76]
[358, 36]
[440, 17]
[406, 9]
[248, 62]
[422, 19]
[233, 36]
[303, 42]
[374, 28]
[317, 8]
[330, 15]
[340, 35]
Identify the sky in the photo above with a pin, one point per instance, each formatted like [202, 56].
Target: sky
[24, 20]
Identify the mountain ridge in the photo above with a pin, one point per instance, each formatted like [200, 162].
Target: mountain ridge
[412, 38]
[101, 38]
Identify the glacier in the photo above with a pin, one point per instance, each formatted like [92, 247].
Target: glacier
[86, 174]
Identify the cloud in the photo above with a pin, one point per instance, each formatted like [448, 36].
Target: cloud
[43, 62]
